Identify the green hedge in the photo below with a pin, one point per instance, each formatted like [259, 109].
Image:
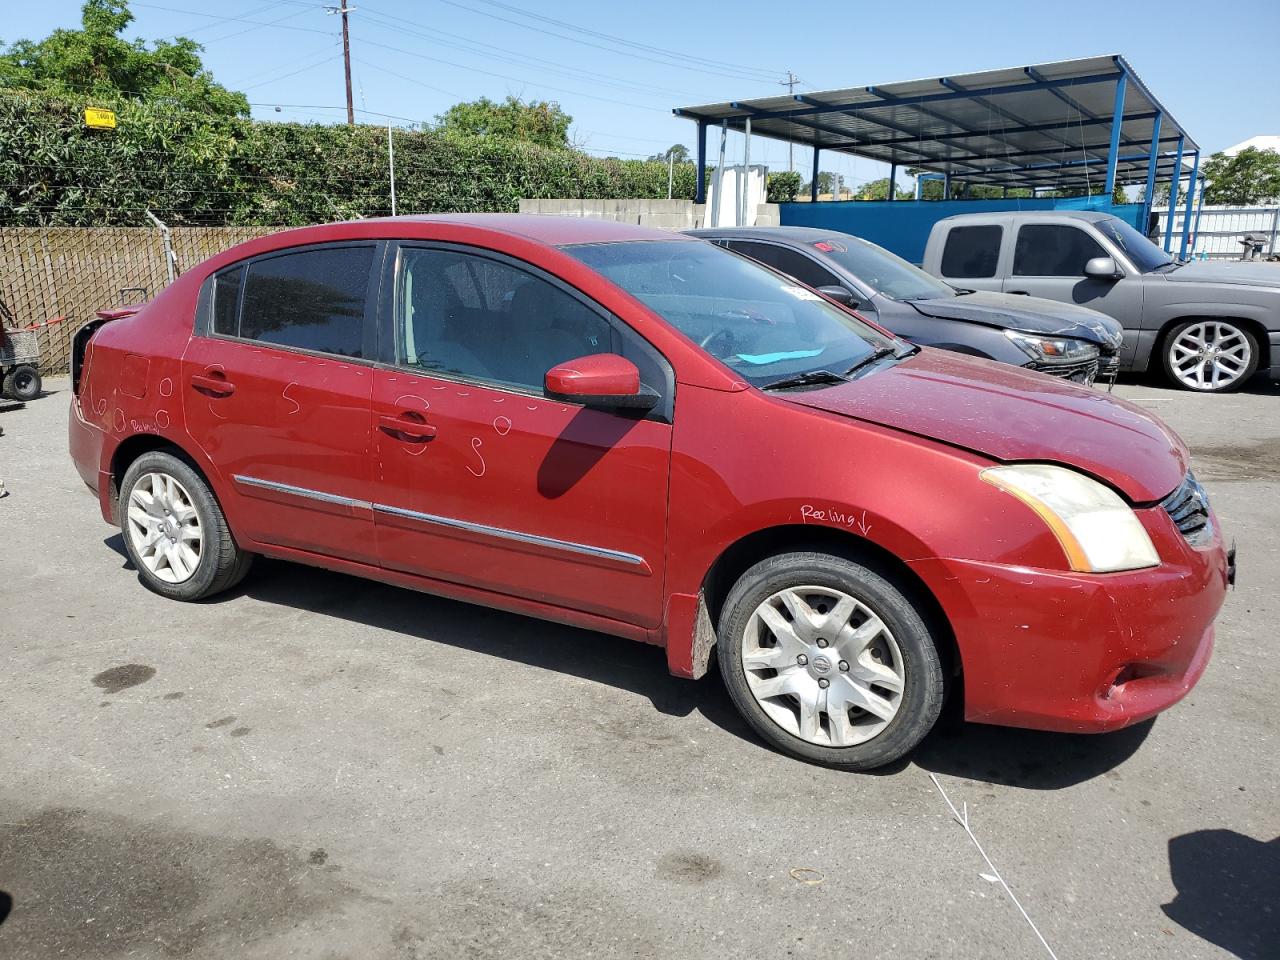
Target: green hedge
[189, 169]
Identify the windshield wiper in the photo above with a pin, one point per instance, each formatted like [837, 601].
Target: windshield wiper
[805, 379]
[877, 354]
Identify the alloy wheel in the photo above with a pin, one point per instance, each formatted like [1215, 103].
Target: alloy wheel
[1210, 355]
[823, 666]
[165, 527]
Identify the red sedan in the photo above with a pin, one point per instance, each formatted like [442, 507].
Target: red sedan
[650, 436]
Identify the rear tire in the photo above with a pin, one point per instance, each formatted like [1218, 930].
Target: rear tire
[23, 383]
[175, 532]
[830, 661]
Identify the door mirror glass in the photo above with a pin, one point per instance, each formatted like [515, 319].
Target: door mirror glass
[600, 380]
[1102, 268]
[840, 295]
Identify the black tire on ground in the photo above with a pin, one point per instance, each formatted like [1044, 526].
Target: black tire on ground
[23, 383]
[924, 680]
[1166, 356]
[222, 563]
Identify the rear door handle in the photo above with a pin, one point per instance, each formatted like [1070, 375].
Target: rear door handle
[213, 383]
[408, 426]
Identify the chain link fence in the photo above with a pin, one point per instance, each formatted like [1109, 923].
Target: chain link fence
[52, 272]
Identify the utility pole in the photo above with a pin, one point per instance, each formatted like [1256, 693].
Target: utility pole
[346, 57]
[790, 84]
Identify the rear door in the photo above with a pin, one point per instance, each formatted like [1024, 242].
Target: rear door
[276, 387]
[480, 479]
[971, 256]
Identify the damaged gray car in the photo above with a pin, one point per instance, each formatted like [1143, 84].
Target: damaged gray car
[1060, 339]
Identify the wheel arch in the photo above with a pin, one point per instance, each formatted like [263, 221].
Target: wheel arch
[742, 554]
[132, 447]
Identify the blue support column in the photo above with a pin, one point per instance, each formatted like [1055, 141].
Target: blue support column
[1117, 121]
[813, 183]
[1148, 195]
[700, 194]
[946, 185]
[1173, 197]
[1186, 214]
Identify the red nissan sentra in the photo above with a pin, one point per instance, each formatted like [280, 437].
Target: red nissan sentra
[650, 436]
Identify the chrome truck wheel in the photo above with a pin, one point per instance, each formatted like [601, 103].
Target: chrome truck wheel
[1210, 356]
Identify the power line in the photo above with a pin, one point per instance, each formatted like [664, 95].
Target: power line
[482, 48]
[715, 70]
[623, 41]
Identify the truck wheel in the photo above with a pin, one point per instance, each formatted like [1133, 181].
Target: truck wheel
[1210, 356]
[175, 532]
[23, 382]
[829, 661]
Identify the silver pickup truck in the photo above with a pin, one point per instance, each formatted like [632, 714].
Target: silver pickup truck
[1211, 325]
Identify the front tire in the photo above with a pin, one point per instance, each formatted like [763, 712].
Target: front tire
[23, 383]
[174, 530]
[830, 661]
[1210, 356]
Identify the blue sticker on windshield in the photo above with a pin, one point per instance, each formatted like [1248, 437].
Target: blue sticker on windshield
[763, 358]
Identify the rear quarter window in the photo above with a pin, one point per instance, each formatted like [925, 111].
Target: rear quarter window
[972, 251]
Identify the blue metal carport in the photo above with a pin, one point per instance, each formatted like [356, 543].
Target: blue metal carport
[1071, 126]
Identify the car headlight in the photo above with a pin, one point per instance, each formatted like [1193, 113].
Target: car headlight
[1053, 349]
[1098, 531]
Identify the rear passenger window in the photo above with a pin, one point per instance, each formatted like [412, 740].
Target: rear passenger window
[226, 302]
[790, 262]
[312, 299]
[972, 251]
[1048, 250]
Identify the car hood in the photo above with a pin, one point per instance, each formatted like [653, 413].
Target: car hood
[1227, 271]
[1028, 314]
[1010, 414]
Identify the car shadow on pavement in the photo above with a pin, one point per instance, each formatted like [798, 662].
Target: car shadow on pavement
[1002, 755]
[1228, 891]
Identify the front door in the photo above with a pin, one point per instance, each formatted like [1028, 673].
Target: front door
[481, 480]
[1048, 261]
[276, 388]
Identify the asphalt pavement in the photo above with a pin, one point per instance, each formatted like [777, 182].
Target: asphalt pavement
[319, 766]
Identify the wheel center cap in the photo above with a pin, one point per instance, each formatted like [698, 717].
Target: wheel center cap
[170, 528]
[821, 664]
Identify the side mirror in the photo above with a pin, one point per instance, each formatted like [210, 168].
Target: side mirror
[1102, 268]
[602, 380]
[840, 295]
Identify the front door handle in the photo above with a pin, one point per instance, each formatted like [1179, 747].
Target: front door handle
[1019, 293]
[409, 426]
[214, 383]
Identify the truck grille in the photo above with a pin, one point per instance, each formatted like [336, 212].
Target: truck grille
[1086, 371]
[1188, 507]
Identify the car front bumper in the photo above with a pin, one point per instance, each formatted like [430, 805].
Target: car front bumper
[1083, 653]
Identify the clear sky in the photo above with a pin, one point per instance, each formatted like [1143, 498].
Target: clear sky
[1210, 65]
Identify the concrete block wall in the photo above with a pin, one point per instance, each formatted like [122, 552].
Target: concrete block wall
[659, 214]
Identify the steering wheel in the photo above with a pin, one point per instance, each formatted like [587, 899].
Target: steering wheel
[716, 334]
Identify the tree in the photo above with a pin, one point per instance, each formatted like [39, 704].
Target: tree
[782, 187]
[97, 61]
[826, 182]
[1252, 176]
[537, 121]
[679, 151]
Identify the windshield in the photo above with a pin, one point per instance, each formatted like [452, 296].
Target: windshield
[761, 324]
[882, 271]
[1144, 254]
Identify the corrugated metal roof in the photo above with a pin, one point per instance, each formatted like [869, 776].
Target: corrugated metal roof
[1045, 125]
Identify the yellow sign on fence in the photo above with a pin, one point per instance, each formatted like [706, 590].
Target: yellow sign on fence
[96, 118]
